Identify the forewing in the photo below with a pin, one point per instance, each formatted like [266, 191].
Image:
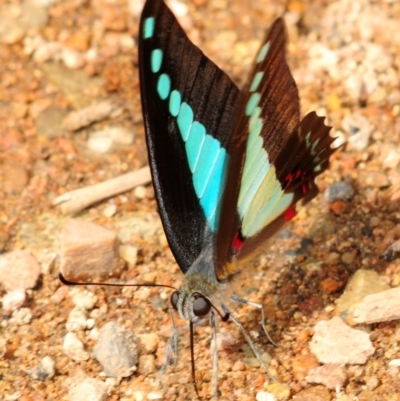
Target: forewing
[189, 107]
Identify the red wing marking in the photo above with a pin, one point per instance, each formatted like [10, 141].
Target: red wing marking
[289, 213]
[237, 243]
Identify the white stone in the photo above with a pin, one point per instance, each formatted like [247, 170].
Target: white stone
[77, 320]
[13, 300]
[73, 347]
[84, 300]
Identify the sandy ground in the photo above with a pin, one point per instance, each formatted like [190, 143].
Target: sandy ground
[57, 57]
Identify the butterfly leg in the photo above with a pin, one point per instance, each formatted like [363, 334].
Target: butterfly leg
[258, 306]
[215, 356]
[249, 341]
[171, 353]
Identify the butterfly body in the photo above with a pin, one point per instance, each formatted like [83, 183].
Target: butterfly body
[199, 279]
[228, 165]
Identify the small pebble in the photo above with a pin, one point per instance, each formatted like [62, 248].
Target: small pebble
[94, 334]
[302, 364]
[15, 178]
[86, 116]
[116, 350]
[226, 340]
[89, 390]
[317, 393]
[392, 159]
[155, 396]
[382, 306]
[21, 316]
[392, 251]
[359, 129]
[335, 342]
[140, 192]
[331, 375]
[149, 342]
[109, 210]
[13, 300]
[332, 258]
[73, 347]
[329, 285]
[44, 370]
[372, 382]
[88, 251]
[147, 364]
[265, 396]
[84, 299]
[102, 141]
[348, 257]
[339, 190]
[121, 135]
[77, 320]
[18, 270]
[100, 144]
[374, 221]
[90, 323]
[3, 347]
[129, 254]
[13, 34]
[47, 261]
[373, 179]
[72, 59]
[43, 51]
[60, 294]
[361, 284]
[280, 391]
[238, 366]
[179, 9]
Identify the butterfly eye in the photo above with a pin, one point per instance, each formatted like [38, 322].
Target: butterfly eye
[201, 306]
[174, 299]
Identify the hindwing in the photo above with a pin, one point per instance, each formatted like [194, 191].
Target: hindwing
[273, 158]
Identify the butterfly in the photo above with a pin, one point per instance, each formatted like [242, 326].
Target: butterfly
[228, 165]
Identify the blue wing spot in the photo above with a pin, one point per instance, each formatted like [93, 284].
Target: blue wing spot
[256, 156]
[212, 194]
[255, 132]
[308, 136]
[174, 103]
[252, 103]
[274, 207]
[261, 197]
[156, 60]
[313, 150]
[263, 52]
[185, 120]
[208, 156]
[148, 28]
[254, 117]
[206, 159]
[256, 81]
[194, 144]
[164, 86]
[251, 183]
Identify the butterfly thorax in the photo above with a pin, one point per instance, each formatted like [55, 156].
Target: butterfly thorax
[200, 284]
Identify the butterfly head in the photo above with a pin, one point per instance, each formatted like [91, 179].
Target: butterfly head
[193, 299]
[191, 306]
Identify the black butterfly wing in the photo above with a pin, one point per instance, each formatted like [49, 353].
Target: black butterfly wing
[189, 107]
[274, 158]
